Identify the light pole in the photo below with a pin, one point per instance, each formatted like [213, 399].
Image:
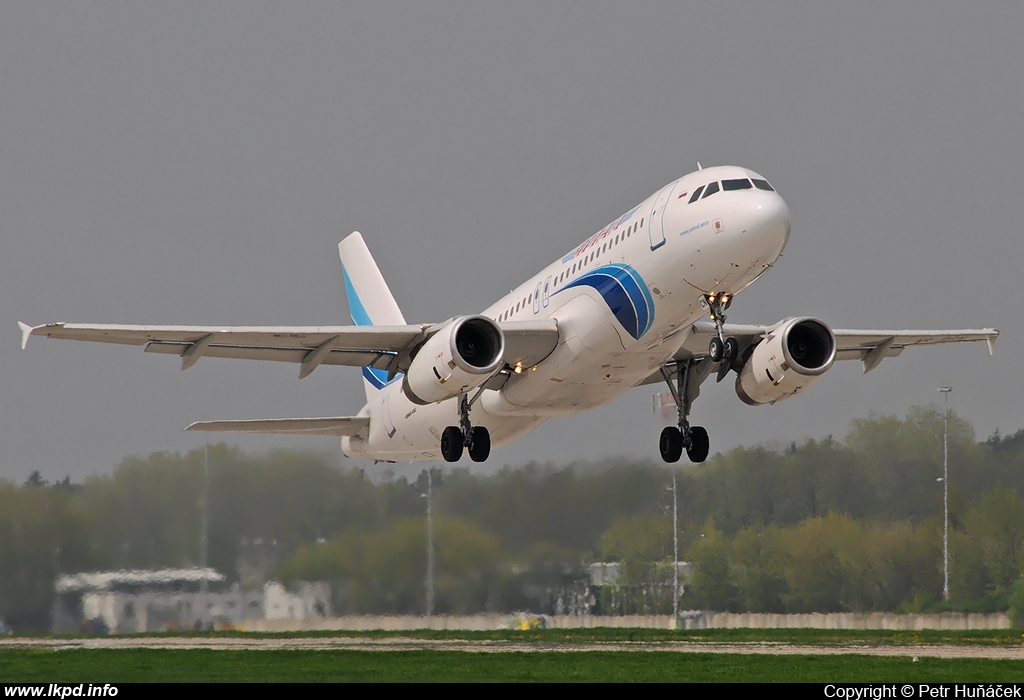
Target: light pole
[661, 403]
[204, 533]
[945, 494]
[430, 546]
[675, 553]
[204, 538]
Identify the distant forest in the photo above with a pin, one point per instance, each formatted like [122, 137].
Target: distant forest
[851, 524]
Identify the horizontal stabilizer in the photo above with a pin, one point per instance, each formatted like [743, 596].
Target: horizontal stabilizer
[336, 427]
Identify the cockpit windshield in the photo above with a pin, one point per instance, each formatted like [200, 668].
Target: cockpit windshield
[740, 184]
[731, 185]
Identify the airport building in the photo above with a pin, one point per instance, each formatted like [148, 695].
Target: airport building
[131, 601]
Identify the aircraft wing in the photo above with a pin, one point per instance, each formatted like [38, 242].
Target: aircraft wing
[337, 427]
[383, 347]
[868, 346]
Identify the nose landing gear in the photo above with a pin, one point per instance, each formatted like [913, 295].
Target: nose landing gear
[721, 348]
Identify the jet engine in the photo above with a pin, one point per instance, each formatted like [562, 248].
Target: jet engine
[459, 357]
[796, 353]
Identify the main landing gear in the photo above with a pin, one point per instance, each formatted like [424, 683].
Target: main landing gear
[464, 435]
[721, 348]
[693, 439]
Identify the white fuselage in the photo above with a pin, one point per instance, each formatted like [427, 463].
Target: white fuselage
[624, 301]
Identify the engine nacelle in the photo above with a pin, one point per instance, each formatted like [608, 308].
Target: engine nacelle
[796, 353]
[459, 357]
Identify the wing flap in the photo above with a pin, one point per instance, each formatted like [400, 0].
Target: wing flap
[349, 358]
[338, 426]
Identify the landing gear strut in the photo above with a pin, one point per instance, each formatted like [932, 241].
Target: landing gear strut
[464, 435]
[693, 439]
[721, 348]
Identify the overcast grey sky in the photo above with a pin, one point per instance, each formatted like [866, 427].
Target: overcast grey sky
[197, 163]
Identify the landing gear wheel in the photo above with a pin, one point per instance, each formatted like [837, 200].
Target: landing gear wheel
[452, 444]
[699, 445]
[732, 349]
[716, 349]
[671, 444]
[480, 446]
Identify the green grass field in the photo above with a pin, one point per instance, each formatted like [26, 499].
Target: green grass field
[642, 665]
[597, 635]
[802, 636]
[149, 665]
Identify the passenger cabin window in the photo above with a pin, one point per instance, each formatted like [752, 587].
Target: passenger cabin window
[731, 185]
[712, 188]
[763, 185]
[696, 194]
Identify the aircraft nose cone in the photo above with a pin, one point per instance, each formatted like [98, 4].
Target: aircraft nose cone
[768, 224]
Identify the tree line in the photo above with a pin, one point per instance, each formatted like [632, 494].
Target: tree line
[851, 524]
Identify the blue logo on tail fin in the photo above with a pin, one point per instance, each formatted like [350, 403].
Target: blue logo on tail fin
[355, 306]
[378, 378]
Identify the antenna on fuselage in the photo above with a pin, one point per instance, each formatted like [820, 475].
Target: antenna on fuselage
[699, 166]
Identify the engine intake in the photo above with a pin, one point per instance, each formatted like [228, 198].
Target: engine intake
[796, 354]
[458, 357]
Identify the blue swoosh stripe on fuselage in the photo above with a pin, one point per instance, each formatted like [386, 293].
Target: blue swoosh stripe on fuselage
[624, 291]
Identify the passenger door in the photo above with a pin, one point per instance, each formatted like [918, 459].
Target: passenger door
[656, 221]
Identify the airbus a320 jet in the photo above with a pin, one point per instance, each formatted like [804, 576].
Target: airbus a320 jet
[624, 308]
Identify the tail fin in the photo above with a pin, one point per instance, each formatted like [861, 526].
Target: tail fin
[370, 301]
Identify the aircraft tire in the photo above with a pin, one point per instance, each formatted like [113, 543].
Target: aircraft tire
[732, 349]
[716, 350]
[671, 444]
[699, 445]
[481, 446]
[452, 444]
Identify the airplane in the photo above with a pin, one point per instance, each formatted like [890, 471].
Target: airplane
[622, 309]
